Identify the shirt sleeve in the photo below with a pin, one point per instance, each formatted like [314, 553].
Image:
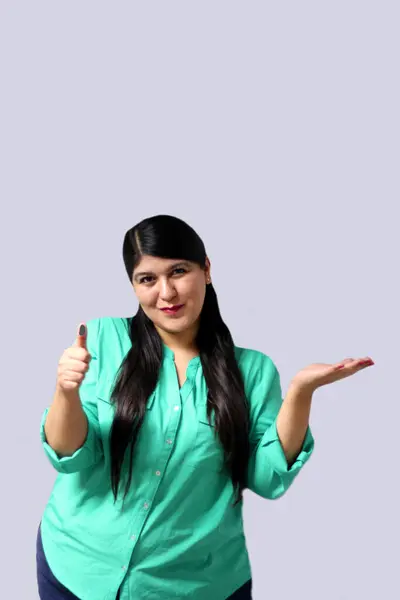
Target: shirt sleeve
[91, 451]
[269, 474]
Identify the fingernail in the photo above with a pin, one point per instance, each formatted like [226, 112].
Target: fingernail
[82, 330]
[339, 367]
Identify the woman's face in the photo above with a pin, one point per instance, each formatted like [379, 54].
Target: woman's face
[162, 283]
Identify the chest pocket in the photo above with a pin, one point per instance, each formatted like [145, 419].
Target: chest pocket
[207, 453]
[106, 409]
[105, 387]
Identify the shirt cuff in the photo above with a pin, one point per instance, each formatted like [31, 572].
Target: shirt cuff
[277, 455]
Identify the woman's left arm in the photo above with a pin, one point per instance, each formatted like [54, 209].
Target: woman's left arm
[293, 421]
[280, 435]
[270, 474]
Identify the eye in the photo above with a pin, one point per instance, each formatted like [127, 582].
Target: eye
[146, 279]
[179, 271]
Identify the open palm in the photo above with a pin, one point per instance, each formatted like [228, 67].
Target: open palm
[319, 374]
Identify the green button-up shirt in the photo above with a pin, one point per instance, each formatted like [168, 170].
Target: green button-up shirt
[177, 535]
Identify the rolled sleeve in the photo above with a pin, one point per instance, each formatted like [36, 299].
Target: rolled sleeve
[91, 450]
[83, 458]
[271, 444]
[269, 474]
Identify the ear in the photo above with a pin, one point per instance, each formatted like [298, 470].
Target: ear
[207, 270]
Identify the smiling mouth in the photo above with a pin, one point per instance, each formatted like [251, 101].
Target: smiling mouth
[172, 310]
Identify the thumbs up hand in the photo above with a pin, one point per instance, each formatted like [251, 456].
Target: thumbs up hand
[74, 363]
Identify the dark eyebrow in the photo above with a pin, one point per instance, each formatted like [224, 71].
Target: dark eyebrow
[171, 268]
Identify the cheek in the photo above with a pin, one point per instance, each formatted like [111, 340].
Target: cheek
[147, 297]
[196, 295]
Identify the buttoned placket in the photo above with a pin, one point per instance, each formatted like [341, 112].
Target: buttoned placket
[178, 397]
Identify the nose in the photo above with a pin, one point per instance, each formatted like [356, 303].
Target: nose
[167, 290]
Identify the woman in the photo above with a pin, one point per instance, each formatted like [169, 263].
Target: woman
[158, 424]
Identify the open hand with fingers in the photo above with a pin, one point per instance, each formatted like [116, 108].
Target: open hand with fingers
[319, 374]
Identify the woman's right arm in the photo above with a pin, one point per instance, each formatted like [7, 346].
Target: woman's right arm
[66, 425]
[70, 430]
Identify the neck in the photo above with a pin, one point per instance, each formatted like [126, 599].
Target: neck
[182, 341]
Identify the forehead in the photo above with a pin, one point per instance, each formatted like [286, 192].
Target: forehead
[155, 264]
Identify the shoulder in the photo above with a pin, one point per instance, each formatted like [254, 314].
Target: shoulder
[252, 360]
[119, 325]
[107, 328]
[109, 341]
[257, 368]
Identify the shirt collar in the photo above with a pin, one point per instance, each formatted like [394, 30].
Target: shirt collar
[169, 355]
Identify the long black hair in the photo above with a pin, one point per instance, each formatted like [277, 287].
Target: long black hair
[165, 236]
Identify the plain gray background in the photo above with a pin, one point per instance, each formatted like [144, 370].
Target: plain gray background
[272, 128]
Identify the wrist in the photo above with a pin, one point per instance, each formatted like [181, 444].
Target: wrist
[301, 391]
[64, 396]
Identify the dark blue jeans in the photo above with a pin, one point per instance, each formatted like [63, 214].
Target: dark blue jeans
[51, 589]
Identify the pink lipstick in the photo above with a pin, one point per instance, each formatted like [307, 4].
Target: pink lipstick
[172, 310]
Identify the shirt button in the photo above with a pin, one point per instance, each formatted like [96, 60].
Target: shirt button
[133, 537]
[158, 473]
[169, 441]
[176, 407]
[123, 568]
[146, 506]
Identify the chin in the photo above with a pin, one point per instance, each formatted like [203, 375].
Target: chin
[175, 327]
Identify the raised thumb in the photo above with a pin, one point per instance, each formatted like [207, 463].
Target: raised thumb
[82, 336]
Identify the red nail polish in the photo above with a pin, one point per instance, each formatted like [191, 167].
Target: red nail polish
[339, 367]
